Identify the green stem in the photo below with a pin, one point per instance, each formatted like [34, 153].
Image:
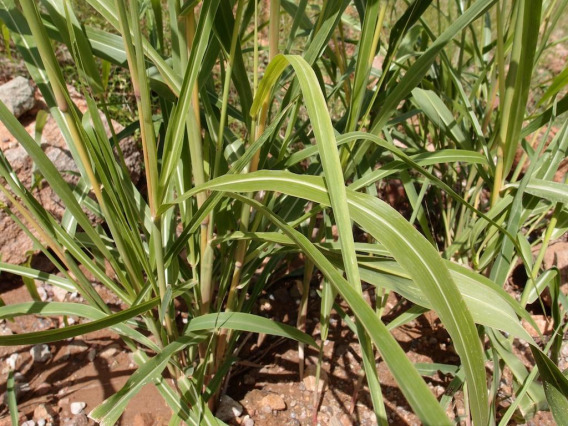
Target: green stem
[540, 257]
[227, 86]
[135, 57]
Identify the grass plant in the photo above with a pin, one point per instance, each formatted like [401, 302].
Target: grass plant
[249, 165]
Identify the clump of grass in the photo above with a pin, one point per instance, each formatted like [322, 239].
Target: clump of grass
[244, 164]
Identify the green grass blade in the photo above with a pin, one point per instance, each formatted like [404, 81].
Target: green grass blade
[557, 402]
[554, 192]
[519, 78]
[38, 275]
[559, 82]
[248, 322]
[48, 336]
[327, 147]
[11, 397]
[365, 54]
[176, 131]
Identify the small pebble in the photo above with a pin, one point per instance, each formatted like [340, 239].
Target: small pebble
[77, 407]
[59, 294]
[91, 355]
[247, 421]
[11, 361]
[109, 352]
[310, 379]
[80, 420]
[273, 402]
[40, 353]
[228, 409]
[42, 294]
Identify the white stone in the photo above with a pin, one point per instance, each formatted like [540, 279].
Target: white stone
[77, 407]
[247, 421]
[11, 361]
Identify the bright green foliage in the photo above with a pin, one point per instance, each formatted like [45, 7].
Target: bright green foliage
[244, 164]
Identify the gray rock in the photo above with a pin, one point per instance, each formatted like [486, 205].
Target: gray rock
[17, 157]
[40, 353]
[61, 159]
[18, 96]
[229, 409]
[565, 350]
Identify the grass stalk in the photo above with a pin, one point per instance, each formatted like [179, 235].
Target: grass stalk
[274, 31]
[135, 55]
